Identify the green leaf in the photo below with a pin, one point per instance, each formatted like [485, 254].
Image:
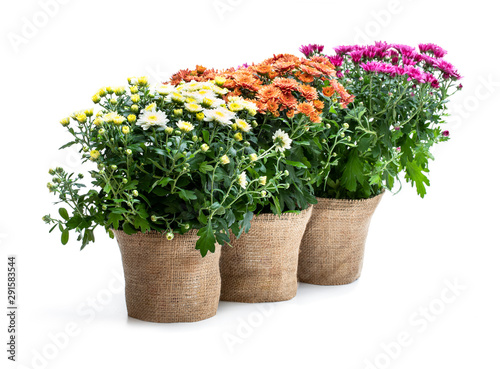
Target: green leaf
[353, 172]
[414, 172]
[205, 167]
[186, 194]
[141, 223]
[64, 213]
[114, 219]
[65, 237]
[206, 242]
[128, 229]
[107, 188]
[245, 223]
[230, 218]
[297, 164]
[206, 136]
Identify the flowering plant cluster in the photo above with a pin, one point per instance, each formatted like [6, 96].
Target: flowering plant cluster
[297, 100]
[168, 159]
[400, 101]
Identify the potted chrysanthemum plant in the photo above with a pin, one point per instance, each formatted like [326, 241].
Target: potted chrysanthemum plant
[397, 116]
[296, 98]
[174, 171]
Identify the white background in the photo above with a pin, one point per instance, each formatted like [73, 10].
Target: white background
[415, 249]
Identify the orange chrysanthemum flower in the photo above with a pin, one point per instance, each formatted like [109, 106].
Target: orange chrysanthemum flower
[262, 68]
[318, 104]
[309, 70]
[272, 105]
[328, 91]
[306, 108]
[286, 84]
[304, 77]
[308, 92]
[267, 92]
[272, 74]
[315, 118]
[288, 100]
[290, 113]
[200, 69]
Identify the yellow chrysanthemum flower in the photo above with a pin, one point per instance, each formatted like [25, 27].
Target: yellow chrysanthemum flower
[185, 126]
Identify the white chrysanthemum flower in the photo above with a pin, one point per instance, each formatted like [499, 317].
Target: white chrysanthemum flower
[110, 117]
[185, 126]
[220, 91]
[235, 106]
[242, 180]
[220, 115]
[177, 97]
[152, 118]
[193, 107]
[165, 89]
[282, 140]
[243, 125]
[151, 107]
[224, 159]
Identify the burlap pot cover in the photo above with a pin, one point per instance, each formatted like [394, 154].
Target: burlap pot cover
[261, 266]
[333, 245]
[169, 281]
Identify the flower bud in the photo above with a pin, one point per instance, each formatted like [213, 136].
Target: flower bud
[286, 173]
[246, 144]
[113, 101]
[349, 138]
[81, 117]
[170, 236]
[195, 138]
[154, 218]
[219, 81]
[135, 98]
[169, 130]
[64, 121]
[238, 136]
[263, 193]
[255, 124]
[52, 171]
[263, 180]
[177, 132]
[186, 226]
[119, 91]
[94, 155]
[328, 125]
[128, 151]
[102, 92]
[85, 148]
[125, 180]
[134, 108]
[253, 157]
[118, 120]
[342, 135]
[204, 147]
[135, 193]
[345, 125]
[114, 167]
[98, 122]
[200, 116]
[102, 131]
[126, 130]
[142, 81]
[131, 118]
[96, 98]
[110, 90]
[224, 160]
[177, 112]
[134, 89]
[104, 207]
[100, 166]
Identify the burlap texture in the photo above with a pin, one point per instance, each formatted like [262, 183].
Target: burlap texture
[169, 281]
[333, 245]
[261, 266]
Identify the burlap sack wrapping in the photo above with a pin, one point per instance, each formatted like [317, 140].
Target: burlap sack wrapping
[333, 245]
[169, 281]
[261, 266]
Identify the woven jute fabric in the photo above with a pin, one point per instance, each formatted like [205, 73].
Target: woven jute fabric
[168, 281]
[333, 245]
[261, 266]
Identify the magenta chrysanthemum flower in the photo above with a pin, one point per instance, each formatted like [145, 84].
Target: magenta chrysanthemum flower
[336, 60]
[356, 56]
[436, 50]
[446, 133]
[414, 74]
[311, 49]
[429, 78]
[449, 71]
[342, 50]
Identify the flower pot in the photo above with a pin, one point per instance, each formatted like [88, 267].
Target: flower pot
[261, 266]
[168, 281]
[333, 245]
